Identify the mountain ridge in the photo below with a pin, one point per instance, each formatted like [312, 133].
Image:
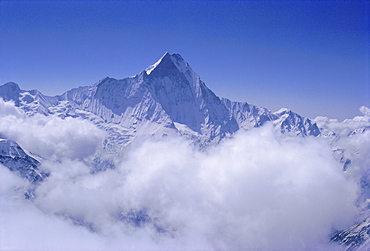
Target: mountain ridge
[17, 160]
[153, 102]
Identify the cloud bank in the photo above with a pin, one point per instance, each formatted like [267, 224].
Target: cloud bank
[50, 136]
[257, 190]
[351, 138]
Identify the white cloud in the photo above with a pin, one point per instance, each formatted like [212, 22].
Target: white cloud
[352, 137]
[50, 136]
[254, 191]
[8, 108]
[257, 190]
[10, 184]
[343, 128]
[365, 111]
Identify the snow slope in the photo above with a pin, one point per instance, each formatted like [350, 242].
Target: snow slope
[17, 160]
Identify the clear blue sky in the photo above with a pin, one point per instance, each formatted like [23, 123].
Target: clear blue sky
[309, 56]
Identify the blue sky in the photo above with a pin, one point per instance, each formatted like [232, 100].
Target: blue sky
[309, 56]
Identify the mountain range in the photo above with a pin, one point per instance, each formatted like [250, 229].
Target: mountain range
[168, 98]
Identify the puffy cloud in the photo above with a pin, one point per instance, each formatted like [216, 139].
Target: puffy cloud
[343, 128]
[50, 136]
[25, 227]
[352, 139]
[9, 109]
[10, 184]
[365, 111]
[256, 190]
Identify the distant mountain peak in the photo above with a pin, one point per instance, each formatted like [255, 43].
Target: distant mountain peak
[153, 66]
[102, 81]
[163, 99]
[17, 160]
[283, 111]
[12, 85]
[168, 63]
[10, 91]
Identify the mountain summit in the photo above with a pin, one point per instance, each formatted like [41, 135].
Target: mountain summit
[170, 63]
[168, 97]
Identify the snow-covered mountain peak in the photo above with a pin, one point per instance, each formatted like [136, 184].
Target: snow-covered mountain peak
[283, 111]
[153, 66]
[17, 160]
[180, 63]
[11, 149]
[172, 72]
[103, 81]
[168, 64]
[10, 91]
[11, 85]
[159, 100]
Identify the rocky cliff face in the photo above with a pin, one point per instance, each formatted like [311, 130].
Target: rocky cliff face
[17, 160]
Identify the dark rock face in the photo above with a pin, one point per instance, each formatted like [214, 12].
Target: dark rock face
[13, 157]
